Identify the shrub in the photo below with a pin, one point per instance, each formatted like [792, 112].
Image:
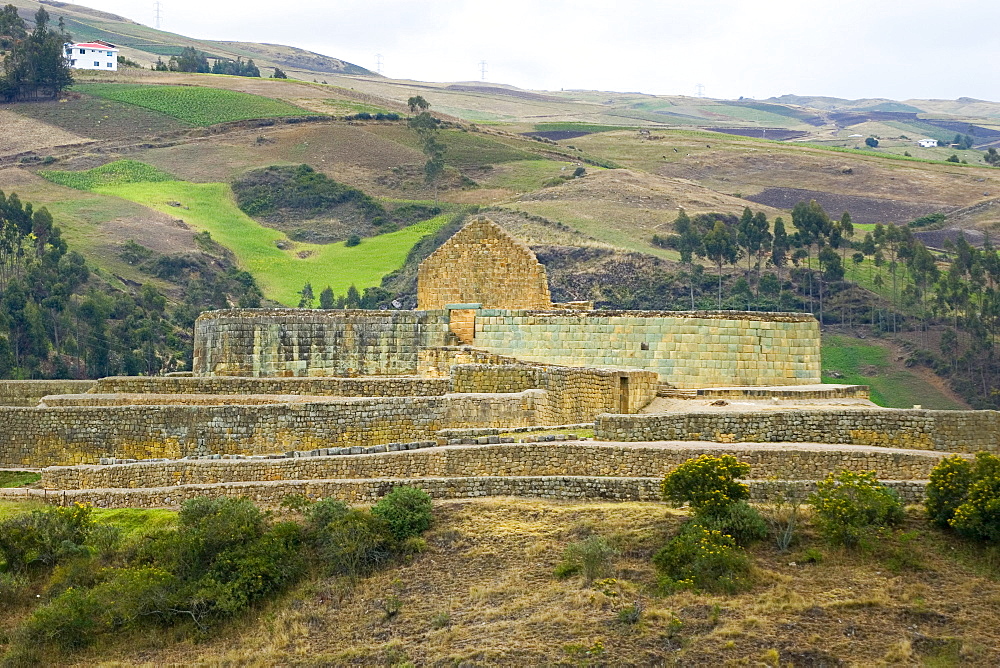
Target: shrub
[324, 511]
[352, 241]
[707, 482]
[407, 511]
[44, 536]
[354, 544]
[703, 559]
[590, 557]
[965, 496]
[740, 520]
[850, 506]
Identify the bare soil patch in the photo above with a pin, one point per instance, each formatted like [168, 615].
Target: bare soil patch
[21, 133]
[780, 134]
[862, 209]
[100, 119]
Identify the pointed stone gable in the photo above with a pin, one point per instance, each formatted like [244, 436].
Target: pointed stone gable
[483, 264]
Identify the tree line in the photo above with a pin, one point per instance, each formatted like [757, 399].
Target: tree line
[34, 65]
[60, 319]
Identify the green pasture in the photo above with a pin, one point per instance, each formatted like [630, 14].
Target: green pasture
[281, 272]
[864, 362]
[195, 105]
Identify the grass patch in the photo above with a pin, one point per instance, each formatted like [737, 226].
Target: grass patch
[864, 363]
[281, 272]
[527, 175]
[18, 478]
[195, 105]
[111, 174]
[577, 127]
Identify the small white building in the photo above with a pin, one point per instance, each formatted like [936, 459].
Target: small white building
[927, 143]
[95, 55]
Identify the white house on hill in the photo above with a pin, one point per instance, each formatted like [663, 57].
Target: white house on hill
[928, 143]
[95, 55]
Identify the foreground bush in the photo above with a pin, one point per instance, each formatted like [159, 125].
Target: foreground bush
[407, 510]
[590, 557]
[707, 482]
[223, 556]
[44, 537]
[853, 506]
[965, 496]
[740, 520]
[703, 559]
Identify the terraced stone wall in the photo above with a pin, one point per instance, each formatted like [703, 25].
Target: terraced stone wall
[29, 392]
[272, 493]
[328, 386]
[784, 461]
[35, 437]
[287, 342]
[947, 431]
[687, 350]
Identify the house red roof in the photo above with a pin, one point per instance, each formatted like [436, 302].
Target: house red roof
[93, 45]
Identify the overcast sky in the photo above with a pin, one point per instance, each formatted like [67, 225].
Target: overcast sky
[846, 48]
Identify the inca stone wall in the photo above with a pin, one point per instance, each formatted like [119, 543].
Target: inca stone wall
[483, 264]
[573, 395]
[780, 461]
[947, 431]
[687, 350]
[328, 386]
[266, 342]
[34, 437]
[272, 493]
[29, 392]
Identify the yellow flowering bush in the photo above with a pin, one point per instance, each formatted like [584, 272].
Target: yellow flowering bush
[705, 559]
[965, 496]
[706, 482]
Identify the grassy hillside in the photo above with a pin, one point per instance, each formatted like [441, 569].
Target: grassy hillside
[483, 592]
[873, 363]
[280, 266]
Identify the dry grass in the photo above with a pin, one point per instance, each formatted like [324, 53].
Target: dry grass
[483, 593]
[27, 134]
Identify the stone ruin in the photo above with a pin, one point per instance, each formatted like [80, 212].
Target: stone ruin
[458, 395]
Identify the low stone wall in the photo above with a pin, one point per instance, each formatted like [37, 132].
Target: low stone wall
[572, 394]
[782, 461]
[181, 399]
[271, 493]
[758, 393]
[30, 392]
[34, 437]
[322, 386]
[947, 431]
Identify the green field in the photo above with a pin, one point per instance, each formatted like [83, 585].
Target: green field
[864, 363]
[113, 173]
[281, 272]
[195, 105]
[18, 478]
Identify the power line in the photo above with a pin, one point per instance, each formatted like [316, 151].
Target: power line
[378, 63]
[157, 8]
[482, 69]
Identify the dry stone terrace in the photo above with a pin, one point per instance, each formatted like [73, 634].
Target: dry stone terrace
[351, 403]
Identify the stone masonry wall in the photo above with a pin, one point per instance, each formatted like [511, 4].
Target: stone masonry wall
[947, 431]
[573, 395]
[482, 263]
[29, 392]
[322, 386]
[780, 461]
[34, 437]
[696, 349]
[287, 342]
[272, 493]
